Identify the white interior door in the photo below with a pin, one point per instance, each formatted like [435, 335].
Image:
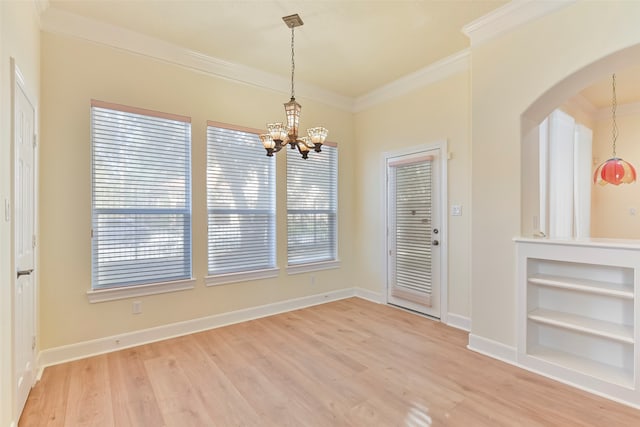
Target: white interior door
[24, 238]
[414, 233]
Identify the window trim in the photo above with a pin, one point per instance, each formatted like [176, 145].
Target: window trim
[122, 292]
[313, 266]
[242, 276]
[141, 111]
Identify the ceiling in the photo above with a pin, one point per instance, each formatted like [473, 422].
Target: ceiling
[349, 47]
[627, 89]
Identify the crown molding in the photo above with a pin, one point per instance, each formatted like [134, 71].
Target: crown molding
[440, 70]
[61, 22]
[508, 17]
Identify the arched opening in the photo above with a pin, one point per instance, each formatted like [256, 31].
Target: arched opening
[611, 211]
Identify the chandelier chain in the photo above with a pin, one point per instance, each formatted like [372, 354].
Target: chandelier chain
[293, 64]
[614, 129]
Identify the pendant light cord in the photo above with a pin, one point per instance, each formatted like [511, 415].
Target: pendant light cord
[293, 64]
[614, 129]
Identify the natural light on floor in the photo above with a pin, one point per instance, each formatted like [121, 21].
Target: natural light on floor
[418, 416]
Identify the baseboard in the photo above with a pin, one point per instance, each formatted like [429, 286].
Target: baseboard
[67, 353]
[493, 349]
[369, 295]
[459, 322]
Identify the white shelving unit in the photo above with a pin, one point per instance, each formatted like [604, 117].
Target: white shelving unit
[578, 314]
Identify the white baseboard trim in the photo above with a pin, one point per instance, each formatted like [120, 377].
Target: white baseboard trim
[39, 369]
[508, 354]
[369, 295]
[459, 322]
[493, 349]
[67, 353]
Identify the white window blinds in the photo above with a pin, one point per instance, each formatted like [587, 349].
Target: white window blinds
[411, 185]
[240, 202]
[141, 196]
[312, 199]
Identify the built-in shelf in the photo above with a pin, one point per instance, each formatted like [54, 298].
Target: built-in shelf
[578, 315]
[617, 290]
[587, 325]
[611, 374]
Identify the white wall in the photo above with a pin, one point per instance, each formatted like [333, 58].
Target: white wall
[433, 113]
[525, 74]
[19, 39]
[75, 71]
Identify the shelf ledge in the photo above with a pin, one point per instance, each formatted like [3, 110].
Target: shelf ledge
[609, 330]
[583, 285]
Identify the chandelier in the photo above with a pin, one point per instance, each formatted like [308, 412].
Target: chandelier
[281, 134]
[615, 170]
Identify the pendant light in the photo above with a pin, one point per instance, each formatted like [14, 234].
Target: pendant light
[615, 170]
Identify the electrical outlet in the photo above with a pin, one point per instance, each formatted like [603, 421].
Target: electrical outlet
[137, 307]
[313, 279]
[456, 210]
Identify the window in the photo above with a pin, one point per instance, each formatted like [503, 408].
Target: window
[141, 196]
[565, 177]
[240, 204]
[312, 193]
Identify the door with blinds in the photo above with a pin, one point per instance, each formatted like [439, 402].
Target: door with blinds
[413, 230]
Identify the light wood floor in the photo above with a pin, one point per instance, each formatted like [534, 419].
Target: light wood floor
[345, 363]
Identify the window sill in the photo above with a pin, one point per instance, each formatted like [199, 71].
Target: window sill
[223, 279]
[313, 266]
[102, 295]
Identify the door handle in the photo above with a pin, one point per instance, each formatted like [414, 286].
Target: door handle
[25, 272]
[435, 243]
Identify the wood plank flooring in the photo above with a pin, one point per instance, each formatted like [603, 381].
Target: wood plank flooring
[345, 363]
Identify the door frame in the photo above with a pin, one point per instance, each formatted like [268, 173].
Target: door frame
[18, 82]
[444, 203]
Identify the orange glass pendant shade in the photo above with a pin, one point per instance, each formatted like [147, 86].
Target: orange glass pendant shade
[614, 171]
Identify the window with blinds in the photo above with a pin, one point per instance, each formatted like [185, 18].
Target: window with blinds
[312, 199]
[411, 184]
[141, 196]
[240, 202]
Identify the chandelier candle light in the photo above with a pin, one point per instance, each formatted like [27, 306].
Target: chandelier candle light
[280, 134]
[615, 170]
